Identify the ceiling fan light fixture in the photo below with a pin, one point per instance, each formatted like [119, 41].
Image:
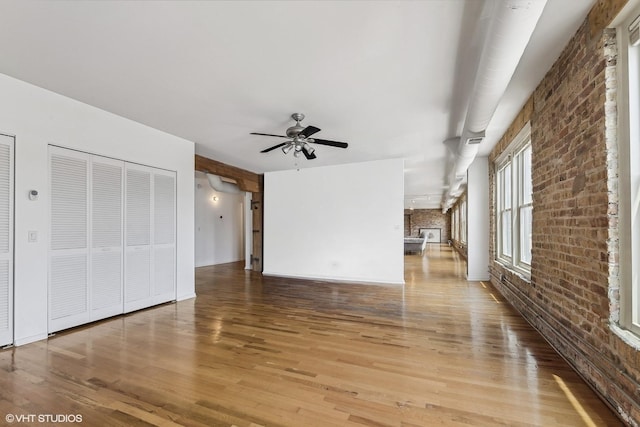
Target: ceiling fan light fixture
[287, 148]
[308, 148]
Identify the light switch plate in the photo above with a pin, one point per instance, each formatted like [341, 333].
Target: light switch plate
[33, 236]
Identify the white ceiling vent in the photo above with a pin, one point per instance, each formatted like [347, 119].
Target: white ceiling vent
[475, 138]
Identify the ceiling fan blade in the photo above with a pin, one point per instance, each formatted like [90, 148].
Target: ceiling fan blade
[274, 147]
[268, 134]
[309, 156]
[308, 131]
[330, 143]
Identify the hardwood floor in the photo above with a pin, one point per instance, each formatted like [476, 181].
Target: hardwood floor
[254, 351]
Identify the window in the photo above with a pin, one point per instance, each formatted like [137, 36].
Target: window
[504, 212]
[629, 172]
[454, 224]
[514, 203]
[525, 205]
[463, 221]
[459, 221]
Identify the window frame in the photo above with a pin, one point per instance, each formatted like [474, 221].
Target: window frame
[501, 211]
[454, 224]
[510, 166]
[628, 132]
[521, 203]
[463, 220]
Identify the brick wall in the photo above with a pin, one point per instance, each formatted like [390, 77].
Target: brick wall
[407, 223]
[458, 245]
[414, 219]
[572, 294]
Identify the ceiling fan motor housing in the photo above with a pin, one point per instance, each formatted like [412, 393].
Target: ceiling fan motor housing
[294, 130]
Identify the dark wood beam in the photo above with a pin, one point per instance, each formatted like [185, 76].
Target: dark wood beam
[247, 181]
[602, 13]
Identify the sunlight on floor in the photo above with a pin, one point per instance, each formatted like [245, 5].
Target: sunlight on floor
[578, 407]
[490, 293]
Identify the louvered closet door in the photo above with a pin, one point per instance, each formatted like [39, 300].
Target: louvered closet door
[69, 249]
[106, 283]
[6, 240]
[138, 205]
[164, 236]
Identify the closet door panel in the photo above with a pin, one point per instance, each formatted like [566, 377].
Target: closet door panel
[164, 279]
[6, 239]
[164, 220]
[138, 207]
[106, 283]
[69, 250]
[164, 184]
[6, 303]
[68, 288]
[106, 204]
[69, 201]
[138, 289]
[106, 238]
[138, 219]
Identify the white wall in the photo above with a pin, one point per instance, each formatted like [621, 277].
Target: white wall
[38, 117]
[478, 220]
[218, 240]
[336, 222]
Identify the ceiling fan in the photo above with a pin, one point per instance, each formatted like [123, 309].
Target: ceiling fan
[300, 139]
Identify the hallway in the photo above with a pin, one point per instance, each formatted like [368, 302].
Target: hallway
[253, 350]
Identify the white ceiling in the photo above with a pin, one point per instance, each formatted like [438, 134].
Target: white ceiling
[390, 78]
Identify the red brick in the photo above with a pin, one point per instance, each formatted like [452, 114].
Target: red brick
[573, 293]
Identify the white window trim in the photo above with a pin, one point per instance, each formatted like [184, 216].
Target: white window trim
[515, 148]
[629, 185]
[454, 223]
[505, 259]
[463, 220]
[520, 203]
[463, 212]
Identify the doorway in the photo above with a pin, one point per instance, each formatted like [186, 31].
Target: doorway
[219, 224]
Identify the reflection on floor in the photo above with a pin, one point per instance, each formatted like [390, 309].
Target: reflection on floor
[252, 350]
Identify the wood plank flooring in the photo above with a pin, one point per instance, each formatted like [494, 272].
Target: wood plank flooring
[254, 351]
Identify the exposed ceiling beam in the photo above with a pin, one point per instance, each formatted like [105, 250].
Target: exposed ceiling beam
[602, 13]
[247, 181]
